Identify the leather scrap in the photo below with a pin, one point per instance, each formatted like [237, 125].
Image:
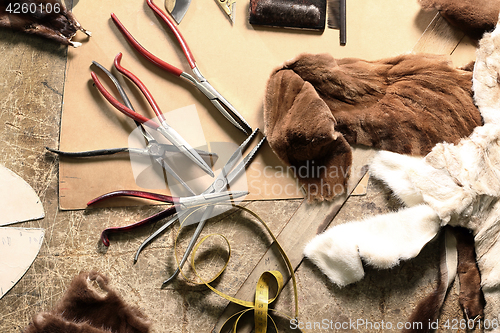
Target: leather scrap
[297, 14]
[427, 310]
[47, 18]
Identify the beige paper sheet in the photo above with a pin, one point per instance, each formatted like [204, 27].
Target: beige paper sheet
[237, 60]
[19, 248]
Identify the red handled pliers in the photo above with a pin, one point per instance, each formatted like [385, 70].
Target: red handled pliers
[178, 204]
[199, 82]
[163, 128]
[159, 152]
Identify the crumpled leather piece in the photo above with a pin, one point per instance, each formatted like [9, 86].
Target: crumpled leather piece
[46, 18]
[317, 106]
[474, 17]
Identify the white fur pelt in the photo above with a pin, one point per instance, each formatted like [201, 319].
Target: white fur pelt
[454, 184]
[381, 241]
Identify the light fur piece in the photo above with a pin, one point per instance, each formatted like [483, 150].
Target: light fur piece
[380, 241]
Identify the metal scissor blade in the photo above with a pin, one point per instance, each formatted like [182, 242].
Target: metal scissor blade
[220, 181]
[208, 212]
[179, 9]
[178, 141]
[156, 233]
[246, 160]
[206, 215]
[236, 155]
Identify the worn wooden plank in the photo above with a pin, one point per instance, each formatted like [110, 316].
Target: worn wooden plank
[309, 220]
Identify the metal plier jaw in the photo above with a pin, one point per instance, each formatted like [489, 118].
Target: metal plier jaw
[210, 198]
[217, 100]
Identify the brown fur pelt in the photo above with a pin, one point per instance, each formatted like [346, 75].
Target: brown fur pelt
[316, 106]
[471, 296]
[90, 306]
[463, 265]
[46, 18]
[427, 310]
[474, 17]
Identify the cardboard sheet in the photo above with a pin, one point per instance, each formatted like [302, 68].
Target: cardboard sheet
[19, 248]
[18, 201]
[236, 59]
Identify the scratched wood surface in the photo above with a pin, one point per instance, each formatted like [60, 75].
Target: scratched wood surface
[31, 95]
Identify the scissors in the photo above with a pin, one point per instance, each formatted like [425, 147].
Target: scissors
[221, 182]
[178, 203]
[159, 152]
[199, 82]
[163, 128]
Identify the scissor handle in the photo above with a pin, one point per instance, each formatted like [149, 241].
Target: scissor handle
[153, 218]
[137, 194]
[175, 31]
[140, 85]
[120, 107]
[148, 55]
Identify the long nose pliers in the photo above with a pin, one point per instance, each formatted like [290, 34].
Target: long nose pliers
[198, 80]
[228, 174]
[178, 204]
[163, 127]
[159, 152]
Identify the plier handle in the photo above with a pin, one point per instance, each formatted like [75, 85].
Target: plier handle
[199, 82]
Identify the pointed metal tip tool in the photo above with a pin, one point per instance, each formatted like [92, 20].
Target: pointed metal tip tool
[228, 6]
[233, 11]
[195, 157]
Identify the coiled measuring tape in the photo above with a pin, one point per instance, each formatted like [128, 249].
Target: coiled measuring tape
[261, 304]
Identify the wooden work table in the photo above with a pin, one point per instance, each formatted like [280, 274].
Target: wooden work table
[32, 77]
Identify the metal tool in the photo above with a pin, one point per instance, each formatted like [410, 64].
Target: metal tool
[221, 183]
[157, 151]
[163, 128]
[225, 178]
[178, 203]
[337, 18]
[177, 9]
[229, 7]
[199, 82]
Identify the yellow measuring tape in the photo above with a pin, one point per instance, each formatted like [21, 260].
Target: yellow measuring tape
[261, 304]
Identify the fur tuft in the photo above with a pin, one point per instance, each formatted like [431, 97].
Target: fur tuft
[89, 305]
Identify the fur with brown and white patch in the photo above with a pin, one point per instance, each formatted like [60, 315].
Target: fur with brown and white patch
[455, 184]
